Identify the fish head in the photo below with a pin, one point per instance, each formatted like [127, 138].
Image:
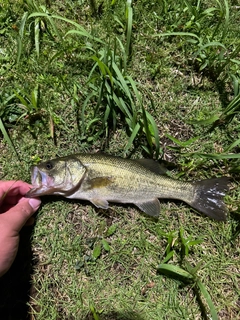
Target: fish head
[58, 176]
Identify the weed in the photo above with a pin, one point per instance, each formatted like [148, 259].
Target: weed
[206, 35]
[115, 95]
[7, 137]
[186, 273]
[94, 247]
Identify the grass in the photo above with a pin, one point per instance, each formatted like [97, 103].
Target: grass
[132, 79]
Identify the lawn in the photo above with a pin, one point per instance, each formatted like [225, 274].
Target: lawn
[135, 79]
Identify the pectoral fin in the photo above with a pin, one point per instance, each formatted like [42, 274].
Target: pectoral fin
[100, 203]
[98, 182]
[151, 208]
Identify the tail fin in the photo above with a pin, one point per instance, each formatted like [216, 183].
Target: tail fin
[209, 197]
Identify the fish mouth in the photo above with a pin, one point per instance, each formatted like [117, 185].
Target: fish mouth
[42, 183]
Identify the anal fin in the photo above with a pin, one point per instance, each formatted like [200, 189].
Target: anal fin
[152, 207]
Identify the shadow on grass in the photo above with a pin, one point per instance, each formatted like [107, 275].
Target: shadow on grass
[15, 284]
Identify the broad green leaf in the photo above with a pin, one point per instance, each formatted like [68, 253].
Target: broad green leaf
[22, 24]
[23, 101]
[217, 156]
[208, 12]
[207, 121]
[97, 251]
[123, 53]
[133, 136]
[129, 15]
[120, 77]
[182, 144]
[175, 271]
[135, 90]
[232, 145]
[146, 127]
[208, 299]
[94, 313]
[155, 132]
[36, 34]
[106, 245]
[182, 34]
[168, 257]
[20, 37]
[235, 61]
[19, 49]
[111, 230]
[86, 101]
[100, 64]
[234, 106]
[122, 106]
[80, 31]
[211, 44]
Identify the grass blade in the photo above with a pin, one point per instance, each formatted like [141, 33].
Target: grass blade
[155, 132]
[36, 35]
[122, 81]
[208, 299]
[211, 44]
[123, 54]
[7, 137]
[217, 156]
[20, 37]
[175, 272]
[129, 16]
[231, 110]
[133, 136]
[232, 145]
[226, 16]
[182, 144]
[205, 122]
[182, 34]
[147, 128]
[80, 30]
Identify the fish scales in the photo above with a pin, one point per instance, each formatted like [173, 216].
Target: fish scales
[101, 179]
[132, 180]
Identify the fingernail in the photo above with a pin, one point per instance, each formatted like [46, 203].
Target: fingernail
[34, 203]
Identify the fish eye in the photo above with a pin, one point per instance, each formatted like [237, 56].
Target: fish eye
[49, 165]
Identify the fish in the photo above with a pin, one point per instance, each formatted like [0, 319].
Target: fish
[101, 178]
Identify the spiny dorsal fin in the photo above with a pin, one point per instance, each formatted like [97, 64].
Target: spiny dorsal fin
[152, 165]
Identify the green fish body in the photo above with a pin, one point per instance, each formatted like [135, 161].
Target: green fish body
[101, 179]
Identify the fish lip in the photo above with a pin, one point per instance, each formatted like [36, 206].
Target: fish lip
[42, 183]
[35, 176]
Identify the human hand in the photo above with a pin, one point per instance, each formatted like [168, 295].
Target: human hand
[15, 211]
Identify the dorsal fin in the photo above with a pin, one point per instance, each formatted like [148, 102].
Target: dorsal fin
[152, 165]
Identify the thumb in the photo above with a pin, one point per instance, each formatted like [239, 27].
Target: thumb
[17, 216]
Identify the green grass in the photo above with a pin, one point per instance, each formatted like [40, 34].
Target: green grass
[142, 79]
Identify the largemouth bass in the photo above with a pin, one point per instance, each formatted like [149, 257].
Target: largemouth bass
[101, 179]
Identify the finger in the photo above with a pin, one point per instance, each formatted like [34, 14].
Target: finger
[13, 188]
[11, 200]
[16, 217]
